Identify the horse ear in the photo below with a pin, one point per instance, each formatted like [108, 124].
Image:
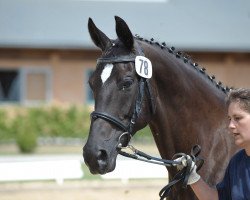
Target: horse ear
[123, 32]
[97, 36]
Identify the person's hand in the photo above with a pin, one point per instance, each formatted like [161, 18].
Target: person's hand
[193, 177]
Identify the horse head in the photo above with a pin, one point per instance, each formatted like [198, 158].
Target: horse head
[123, 99]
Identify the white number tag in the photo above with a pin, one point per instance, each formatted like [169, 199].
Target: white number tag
[143, 67]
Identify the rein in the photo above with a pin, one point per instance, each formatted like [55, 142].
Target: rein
[182, 176]
[139, 155]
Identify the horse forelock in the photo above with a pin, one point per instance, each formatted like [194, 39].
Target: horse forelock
[186, 60]
[117, 49]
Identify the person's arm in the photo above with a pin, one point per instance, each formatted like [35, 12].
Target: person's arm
[203, 191]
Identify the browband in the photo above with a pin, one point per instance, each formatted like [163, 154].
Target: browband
[117, 59]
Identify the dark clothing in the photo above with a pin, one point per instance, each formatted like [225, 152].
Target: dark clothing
[236, 182]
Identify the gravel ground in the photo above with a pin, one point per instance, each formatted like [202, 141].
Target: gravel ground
[84, 190]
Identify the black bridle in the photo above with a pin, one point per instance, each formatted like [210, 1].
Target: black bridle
[143, 86]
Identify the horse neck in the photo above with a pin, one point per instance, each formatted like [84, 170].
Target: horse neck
[186, 102]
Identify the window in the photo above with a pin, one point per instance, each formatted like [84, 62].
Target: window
[25, 85]
[89, 94]
[37, 85]
[9, 85]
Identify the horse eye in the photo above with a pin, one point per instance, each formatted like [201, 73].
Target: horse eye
[126, 84]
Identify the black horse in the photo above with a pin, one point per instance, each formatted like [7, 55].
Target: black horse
[181, 103]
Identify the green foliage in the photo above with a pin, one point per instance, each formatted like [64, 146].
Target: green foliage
[143, 135]
[26, 135]
[3, 125]
[27, 124]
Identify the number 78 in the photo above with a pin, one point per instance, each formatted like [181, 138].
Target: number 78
[143, 67]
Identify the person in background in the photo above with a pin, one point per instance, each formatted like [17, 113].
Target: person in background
[236, 182]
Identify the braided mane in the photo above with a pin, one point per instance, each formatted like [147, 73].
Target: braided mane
[186, 59]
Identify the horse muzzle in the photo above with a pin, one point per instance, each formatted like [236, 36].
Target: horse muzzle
[99, 160]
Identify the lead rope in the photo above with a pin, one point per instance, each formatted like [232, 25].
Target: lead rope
[181, 176]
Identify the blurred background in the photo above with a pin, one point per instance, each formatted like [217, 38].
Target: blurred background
[46, 57]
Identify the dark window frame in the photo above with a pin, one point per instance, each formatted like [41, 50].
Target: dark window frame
[10, 87]
[89, 99]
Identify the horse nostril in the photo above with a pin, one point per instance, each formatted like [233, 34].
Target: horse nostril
[102, 155]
